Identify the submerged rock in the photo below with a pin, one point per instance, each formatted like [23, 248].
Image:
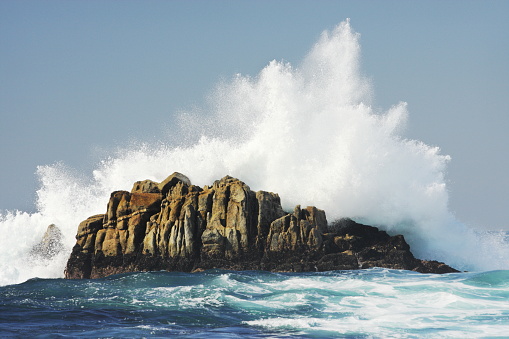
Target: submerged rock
[176, 226]
[50, 245]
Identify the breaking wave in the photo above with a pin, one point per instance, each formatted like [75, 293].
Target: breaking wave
[310, 133]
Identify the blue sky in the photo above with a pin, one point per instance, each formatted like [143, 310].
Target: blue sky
[80, 78]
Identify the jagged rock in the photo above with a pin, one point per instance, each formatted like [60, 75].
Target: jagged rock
[50, 245]
[87, 232]
[301, 230]
[172, 180]
[174, 225]
[145, 186]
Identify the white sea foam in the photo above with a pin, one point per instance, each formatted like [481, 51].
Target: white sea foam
[309, 133]
[386, 306]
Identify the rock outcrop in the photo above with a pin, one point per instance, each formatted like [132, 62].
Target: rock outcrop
[174, 225]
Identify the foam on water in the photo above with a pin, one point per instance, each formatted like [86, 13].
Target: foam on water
[376, 303]
[309, 133]
[368, 303]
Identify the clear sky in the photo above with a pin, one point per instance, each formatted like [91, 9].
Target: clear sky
[79, 78]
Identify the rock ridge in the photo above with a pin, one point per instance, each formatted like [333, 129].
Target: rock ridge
[177, 226]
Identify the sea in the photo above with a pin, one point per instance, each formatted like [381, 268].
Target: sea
[313, 134]
[373, 303]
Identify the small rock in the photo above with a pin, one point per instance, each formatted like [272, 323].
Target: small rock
[50, 245]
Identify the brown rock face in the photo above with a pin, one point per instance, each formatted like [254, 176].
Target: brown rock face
[174, 225]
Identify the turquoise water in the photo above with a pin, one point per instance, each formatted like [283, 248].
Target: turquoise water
[374, 303]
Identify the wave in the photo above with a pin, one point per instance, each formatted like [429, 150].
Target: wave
[354, 304]
[310, 133]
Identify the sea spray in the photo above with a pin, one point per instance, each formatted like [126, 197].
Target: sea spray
[309, 133]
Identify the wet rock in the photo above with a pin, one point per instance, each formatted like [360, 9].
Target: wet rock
[50, 245]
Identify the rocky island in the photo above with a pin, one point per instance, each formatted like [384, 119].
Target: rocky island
[177, 226]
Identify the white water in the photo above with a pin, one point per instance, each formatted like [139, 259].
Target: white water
[309, 133]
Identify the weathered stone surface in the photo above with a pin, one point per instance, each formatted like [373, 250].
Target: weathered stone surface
[301, 230]
[172, 180]
[145, 186]
[175, 225]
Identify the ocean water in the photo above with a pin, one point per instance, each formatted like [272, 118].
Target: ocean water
[374, 303]
[312, 133]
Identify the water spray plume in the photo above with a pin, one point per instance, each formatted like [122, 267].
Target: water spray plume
[309, 133]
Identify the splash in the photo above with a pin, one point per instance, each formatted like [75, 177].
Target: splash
[309, 133]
